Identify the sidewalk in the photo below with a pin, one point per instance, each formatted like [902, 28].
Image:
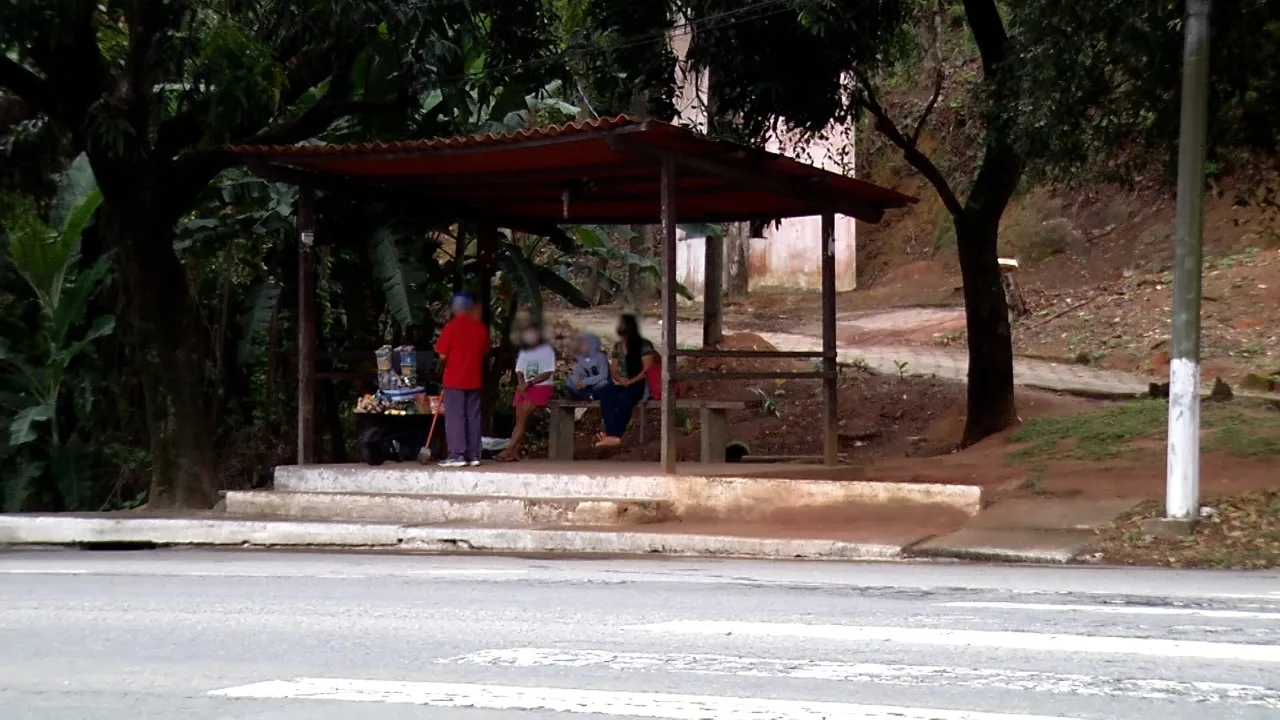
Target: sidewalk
[943, 363]
[1037, 531]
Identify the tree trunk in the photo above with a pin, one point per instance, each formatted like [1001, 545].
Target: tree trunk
[990, 391]
[636, 246]
[170, 341]
[737, 260]
[592, 289]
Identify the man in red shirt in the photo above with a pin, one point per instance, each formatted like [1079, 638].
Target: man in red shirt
[463, 344]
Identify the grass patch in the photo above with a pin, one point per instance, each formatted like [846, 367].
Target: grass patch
[1238, 430]
[1097, 435]
[1242, 434]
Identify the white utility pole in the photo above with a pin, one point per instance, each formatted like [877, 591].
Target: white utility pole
[1182, 490]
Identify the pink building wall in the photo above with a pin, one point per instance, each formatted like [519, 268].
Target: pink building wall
[788, 255]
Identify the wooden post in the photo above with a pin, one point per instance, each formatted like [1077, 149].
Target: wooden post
[712, 296]
[306, 329]
[715, 435]
[487, 239]
[668, 314]
[830, 420]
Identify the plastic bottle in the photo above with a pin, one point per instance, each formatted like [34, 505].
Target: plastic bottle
[386, 378]
[408, 359]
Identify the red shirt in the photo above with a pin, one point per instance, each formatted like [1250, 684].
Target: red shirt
[463, 342]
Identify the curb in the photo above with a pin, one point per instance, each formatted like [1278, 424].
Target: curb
[56, 530]
[45, 530]
[992, 554]
[501, 540]
[1044, 546]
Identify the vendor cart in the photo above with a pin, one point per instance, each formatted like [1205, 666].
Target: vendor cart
[399, 422]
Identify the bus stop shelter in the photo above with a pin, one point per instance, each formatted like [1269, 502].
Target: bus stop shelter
[609, 171]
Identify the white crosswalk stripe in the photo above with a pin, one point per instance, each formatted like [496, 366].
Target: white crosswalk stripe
[1008, 640]
[597, 702]
[997, 692]
[885, 674]
[1118, 610]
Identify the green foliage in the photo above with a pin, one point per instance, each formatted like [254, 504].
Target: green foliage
[769, 403]
[261, 301]
[598, 243]
[617, 53]
[47, 257]
[788, 62]
[390, 273]
[528, 278]
[1103, 78]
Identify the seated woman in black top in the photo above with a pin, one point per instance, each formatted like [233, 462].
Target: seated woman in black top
[629, 369]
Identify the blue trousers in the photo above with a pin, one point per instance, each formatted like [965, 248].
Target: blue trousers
[616, 404]
[462, 423]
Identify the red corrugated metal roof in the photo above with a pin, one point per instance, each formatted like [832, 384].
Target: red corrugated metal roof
[600, 171]
[456, 141]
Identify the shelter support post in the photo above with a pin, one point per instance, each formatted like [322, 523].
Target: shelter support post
[668, 314]
[487, 239]
[712, 295]
[306, 328]
[830, 379]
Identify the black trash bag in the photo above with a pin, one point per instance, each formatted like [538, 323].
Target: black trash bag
[375, 447]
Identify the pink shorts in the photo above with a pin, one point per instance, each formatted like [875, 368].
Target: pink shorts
[538, 395]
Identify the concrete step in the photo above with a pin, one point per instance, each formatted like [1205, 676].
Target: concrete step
[509, 481]
[222, 531]
[431, 509]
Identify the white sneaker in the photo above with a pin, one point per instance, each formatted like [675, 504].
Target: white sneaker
[473, 463]
[453, 463]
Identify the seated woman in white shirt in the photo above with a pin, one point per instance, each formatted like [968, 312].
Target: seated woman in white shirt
[535, 370]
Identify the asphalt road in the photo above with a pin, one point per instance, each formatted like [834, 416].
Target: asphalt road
[220, 635]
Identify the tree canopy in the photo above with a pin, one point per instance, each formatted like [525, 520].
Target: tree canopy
[1101, 81]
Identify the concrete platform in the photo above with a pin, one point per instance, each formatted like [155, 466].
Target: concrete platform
[737, 491]
[525, 479]
[436, 509]
[1038, 530]
[1034, 546]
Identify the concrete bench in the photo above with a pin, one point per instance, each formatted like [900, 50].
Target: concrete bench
[714, 416]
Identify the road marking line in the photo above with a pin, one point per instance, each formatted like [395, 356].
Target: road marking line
[883, 674]
[1119, 610]
[599, 702]
[467, 571]
[283, 574]
[978, 638]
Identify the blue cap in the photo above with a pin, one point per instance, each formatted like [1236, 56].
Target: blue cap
[463, 301]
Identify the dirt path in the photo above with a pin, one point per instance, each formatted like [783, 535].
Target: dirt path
[896, 358]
